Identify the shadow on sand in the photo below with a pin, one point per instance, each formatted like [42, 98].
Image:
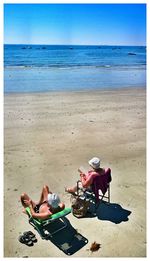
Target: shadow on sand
[68, 240]
[109, 211]
[112, 212]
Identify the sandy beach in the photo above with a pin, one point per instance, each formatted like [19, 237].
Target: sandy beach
[48, 136]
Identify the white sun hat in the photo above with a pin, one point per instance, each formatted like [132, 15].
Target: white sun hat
[53, 200]
[95, 163]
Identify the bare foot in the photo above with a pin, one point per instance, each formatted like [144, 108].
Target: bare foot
[70, 190]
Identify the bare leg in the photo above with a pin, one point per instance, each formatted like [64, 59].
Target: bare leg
[71, 190]
[44, 194]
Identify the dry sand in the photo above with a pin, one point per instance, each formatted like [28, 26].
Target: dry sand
[48, 136]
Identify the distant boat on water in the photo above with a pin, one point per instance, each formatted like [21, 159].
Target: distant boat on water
[131, 53]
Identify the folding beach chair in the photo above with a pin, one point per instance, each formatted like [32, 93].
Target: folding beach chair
[42, 225]
[100, 188]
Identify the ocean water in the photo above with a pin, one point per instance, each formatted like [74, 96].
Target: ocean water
[32, 68]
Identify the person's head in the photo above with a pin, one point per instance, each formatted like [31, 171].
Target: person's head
[94, 163]
[53, 200]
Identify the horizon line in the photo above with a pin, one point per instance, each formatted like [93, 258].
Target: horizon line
[74, 44]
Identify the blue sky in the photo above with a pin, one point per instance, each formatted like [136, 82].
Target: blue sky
[110, 24]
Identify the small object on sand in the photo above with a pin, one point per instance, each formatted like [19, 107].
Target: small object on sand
[25, 240]
[95, 247]
[31, 235]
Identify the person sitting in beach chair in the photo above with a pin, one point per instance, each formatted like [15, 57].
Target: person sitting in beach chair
[87, 179]
[48, 204]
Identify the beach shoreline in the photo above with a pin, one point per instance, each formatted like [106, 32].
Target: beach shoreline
[74, 79]
[48, 135]
[96, 90]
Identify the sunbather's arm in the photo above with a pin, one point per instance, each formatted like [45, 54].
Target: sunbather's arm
[86, 182]
[82, 175]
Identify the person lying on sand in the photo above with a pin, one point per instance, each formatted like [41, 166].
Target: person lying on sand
[48, 204]
[87, 178]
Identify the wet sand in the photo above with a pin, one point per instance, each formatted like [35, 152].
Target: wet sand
[47, 136]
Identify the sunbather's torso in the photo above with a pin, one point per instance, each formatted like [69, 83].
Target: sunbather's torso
[43, 208]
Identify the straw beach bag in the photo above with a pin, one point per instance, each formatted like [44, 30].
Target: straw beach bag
[79, 206]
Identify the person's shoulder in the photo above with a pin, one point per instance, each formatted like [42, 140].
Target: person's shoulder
[92, 173]
[107, 170]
